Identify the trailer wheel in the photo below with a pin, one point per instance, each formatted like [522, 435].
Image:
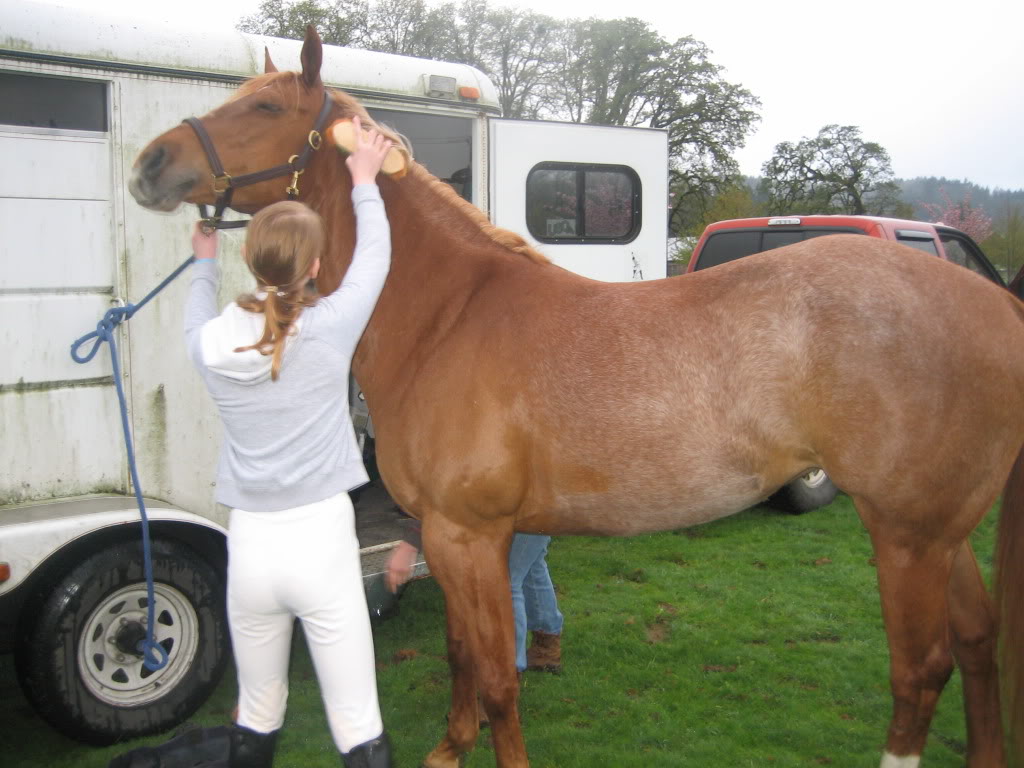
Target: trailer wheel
[808, 492]
[79, 665]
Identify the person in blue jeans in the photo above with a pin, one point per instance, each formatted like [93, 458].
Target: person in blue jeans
[534, 604]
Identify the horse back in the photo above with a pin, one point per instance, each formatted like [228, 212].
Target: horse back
[586, 407]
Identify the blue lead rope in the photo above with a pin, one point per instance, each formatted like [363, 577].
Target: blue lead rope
[154, 655]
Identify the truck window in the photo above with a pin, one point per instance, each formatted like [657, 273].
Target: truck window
[728, 246]
[48, 102]
[961, 252]
[922, 241]
[574, 203]
[779, 239]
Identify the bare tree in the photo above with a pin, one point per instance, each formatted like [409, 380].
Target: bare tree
[339, 22]
[834, 172]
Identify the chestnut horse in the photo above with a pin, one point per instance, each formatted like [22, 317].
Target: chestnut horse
[510, 395]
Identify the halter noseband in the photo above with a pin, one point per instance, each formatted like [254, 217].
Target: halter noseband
[224, 184]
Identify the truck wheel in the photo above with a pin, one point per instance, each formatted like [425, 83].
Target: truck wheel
[806, 493]
[79, 665]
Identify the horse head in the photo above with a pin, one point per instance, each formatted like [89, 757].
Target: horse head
[262, 128]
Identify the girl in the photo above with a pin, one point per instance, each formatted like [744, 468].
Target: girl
[276, 364]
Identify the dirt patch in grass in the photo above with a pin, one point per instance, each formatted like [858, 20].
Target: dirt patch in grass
[657, 632]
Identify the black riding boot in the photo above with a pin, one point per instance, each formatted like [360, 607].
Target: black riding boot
[375, 753]
[252, 749]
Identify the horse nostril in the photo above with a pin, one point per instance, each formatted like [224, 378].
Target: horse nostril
[153, 163]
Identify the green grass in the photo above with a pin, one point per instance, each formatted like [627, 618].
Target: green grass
[752, 641]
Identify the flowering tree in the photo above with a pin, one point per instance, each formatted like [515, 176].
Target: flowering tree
[961, 215]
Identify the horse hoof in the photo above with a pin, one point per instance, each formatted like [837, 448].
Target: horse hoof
[438, 759]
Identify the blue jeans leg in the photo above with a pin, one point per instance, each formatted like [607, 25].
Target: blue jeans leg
[533, 595]
[542, 614]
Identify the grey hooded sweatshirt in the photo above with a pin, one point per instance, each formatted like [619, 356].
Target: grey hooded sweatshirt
[289, 442]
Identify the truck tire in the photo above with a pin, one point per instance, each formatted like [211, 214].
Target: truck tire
[808, 492]
[77, 662]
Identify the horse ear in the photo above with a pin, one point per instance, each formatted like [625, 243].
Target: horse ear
[312, 57]
[268, 65]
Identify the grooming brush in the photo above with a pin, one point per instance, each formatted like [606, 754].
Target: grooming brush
[342, 133]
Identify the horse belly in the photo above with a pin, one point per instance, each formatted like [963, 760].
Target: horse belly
[641, 499]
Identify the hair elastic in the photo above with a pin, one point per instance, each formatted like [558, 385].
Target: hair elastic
[273, 289]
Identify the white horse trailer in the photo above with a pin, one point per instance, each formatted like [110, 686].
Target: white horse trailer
[80, 96]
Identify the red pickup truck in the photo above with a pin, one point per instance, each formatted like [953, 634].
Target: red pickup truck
[728, 240]
[733, 239]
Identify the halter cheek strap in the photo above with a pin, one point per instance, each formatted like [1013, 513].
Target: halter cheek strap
[224, 184]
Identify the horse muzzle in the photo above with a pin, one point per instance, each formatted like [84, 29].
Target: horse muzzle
[156, 183]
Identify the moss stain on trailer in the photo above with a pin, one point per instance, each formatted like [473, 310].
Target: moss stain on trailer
[155, 441]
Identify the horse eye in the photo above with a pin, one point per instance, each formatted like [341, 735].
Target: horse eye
[266, 106]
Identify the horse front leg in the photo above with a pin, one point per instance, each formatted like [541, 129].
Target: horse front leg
[463, 723]
[472, 568]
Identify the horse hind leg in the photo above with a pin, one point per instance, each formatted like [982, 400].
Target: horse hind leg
[472, 569]
[974, 631]
[912, 579]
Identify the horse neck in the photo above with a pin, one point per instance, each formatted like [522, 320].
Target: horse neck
[439, 254]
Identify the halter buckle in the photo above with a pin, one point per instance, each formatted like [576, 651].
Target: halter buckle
[225, 179]
[293, 189]
[315, 139]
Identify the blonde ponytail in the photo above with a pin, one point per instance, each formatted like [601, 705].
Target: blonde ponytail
[284, 242]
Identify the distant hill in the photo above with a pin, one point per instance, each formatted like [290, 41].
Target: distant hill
[928, 189]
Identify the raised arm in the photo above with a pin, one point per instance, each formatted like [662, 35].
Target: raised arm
[201, 305]
[350, 307]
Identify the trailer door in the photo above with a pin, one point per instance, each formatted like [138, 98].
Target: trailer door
[59, 421]
[592, 198]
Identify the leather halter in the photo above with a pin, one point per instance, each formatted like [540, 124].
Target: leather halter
[224, 184]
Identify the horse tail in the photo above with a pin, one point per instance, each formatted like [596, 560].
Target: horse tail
[1009, 595]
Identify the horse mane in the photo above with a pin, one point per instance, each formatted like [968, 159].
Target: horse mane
[503, 237]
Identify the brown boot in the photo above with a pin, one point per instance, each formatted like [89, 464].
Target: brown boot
[545, 653]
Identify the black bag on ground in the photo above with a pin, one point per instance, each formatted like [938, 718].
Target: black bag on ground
[196, 748]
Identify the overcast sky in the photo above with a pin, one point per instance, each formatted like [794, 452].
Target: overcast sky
[940, 84]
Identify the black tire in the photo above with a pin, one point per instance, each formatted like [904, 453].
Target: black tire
[74, 664]
[808, 492]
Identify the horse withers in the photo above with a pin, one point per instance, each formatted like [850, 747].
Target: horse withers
[511, 395]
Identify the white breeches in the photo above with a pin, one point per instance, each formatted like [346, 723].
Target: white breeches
[302, 563]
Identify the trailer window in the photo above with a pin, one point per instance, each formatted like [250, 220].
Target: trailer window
[443, 145]
[573, 203]
[50, 102]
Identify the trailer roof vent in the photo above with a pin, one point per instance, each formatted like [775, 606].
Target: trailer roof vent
[439, 87]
